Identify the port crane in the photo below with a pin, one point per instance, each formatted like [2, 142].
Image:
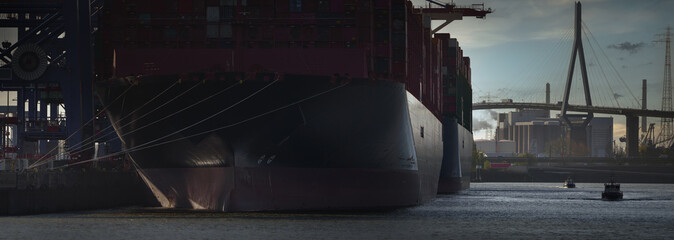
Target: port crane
[49, 68]
[647, 142]
[475, 10]
[450, 12]
[648, 139]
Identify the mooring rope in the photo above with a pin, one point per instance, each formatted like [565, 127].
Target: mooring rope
[194, 124]
[165, 117]
[138, 118]
[151, 144]
[81, 127]
[92, 137]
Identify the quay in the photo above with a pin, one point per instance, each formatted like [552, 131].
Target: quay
[37, 192]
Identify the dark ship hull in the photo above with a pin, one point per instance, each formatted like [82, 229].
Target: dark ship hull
[612, 191]
[457, 157]
[258, 105]
[611, 196]
[302, 142]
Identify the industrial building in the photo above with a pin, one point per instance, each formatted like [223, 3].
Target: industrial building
[502, 148]
[533, 131]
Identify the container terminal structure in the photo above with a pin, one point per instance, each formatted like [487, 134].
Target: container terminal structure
[245, 105]
[46, 80]
[47, 75]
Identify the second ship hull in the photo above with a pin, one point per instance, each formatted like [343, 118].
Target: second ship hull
[278, 142]
[457, 157]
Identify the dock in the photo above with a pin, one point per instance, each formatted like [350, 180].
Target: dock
[33, 192]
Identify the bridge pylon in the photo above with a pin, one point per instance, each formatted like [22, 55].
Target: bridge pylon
[577, 50]
[576, 130]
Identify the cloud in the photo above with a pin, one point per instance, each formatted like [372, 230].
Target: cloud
[632, 48]
[493, 114]
[479, 124]
[616, 96]
[479, 33]
[546, 34]
[482, 121]
[619, 130]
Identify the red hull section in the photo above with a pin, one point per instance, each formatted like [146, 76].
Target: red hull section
[255, 189]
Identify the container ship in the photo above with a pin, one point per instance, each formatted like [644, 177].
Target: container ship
[251, 105]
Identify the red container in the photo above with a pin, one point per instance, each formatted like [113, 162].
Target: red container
[283, 6]
[350, 34]
[385, 39]
[382, 50]
[282, 33]
[382, 4]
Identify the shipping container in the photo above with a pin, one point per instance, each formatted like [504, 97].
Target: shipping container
[392, 39]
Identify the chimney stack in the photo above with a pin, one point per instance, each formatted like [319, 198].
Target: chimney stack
[643, 105]
[547, 93]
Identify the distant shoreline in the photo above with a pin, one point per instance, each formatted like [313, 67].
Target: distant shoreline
[623, 174]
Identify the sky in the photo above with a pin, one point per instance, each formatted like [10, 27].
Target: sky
[524, 44]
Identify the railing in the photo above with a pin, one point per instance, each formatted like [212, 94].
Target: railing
[46, 125]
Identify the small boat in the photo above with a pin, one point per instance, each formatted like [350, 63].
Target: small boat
[612, 191]
[569, 183]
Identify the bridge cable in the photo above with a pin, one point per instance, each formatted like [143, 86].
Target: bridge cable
[529, 83]
[614, 69]
[603, 73]
[549, 63]
[562, 69]
[594, 81]
[600, 72]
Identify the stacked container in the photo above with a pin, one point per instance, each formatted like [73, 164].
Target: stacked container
[385, 40]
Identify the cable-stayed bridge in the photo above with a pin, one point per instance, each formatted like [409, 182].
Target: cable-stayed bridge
[632, 114]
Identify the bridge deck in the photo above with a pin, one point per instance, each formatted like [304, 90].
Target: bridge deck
[574, 108]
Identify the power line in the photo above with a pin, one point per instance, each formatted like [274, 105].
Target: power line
[666, 131]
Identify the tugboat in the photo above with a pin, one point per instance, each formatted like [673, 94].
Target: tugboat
[569, 183]
[612, 191]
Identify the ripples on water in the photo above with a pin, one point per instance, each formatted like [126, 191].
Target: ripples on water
[487, 210]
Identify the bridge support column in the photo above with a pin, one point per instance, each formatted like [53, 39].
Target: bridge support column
[643, 106]
[632, 135]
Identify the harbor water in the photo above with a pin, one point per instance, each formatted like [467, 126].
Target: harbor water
[487, 210]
